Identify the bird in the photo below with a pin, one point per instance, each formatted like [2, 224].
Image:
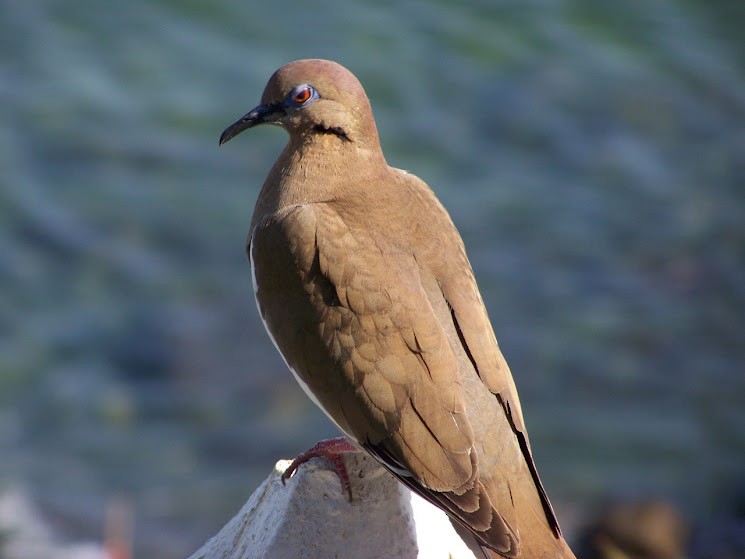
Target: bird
[365, 288]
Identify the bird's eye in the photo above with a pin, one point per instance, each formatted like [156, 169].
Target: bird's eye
[302, 94]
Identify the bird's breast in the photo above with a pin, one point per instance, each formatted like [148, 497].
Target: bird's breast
[303, 384]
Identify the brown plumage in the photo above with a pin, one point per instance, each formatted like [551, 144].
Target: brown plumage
[364, 285]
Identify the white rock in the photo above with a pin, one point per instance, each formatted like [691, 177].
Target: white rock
[311, 518]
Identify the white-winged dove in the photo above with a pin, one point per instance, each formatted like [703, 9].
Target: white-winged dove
[364, 286]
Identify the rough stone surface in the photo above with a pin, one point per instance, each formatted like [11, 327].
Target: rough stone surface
[311, 518]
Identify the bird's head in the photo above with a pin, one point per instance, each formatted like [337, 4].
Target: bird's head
[312, 97]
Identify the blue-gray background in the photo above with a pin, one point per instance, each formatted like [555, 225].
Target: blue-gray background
[591, 153]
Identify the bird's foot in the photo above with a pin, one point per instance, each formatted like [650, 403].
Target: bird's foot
[333, 449]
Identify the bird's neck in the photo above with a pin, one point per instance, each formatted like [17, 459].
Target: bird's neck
[319, 168]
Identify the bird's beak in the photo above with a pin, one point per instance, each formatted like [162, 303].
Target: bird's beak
[263, 114]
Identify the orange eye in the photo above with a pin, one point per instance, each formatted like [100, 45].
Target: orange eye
[302, 94]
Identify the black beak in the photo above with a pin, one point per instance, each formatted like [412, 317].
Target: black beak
[263, 114]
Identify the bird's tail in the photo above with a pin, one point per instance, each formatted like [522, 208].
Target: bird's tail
[558, 551]
[562, 553]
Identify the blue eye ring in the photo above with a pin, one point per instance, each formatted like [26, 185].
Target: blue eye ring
[302, 95]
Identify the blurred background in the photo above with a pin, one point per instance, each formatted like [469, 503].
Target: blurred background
[592, 155]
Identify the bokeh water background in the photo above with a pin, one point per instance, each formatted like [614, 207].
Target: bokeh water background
[591, 153]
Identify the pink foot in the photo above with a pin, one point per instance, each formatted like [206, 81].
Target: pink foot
[331, 449]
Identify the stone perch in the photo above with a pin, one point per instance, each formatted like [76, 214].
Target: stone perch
[311, 518]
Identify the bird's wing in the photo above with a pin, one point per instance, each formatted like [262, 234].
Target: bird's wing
[358, 327]
[452, 280]
[458, 288]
